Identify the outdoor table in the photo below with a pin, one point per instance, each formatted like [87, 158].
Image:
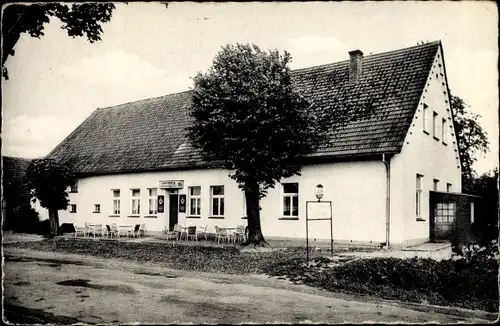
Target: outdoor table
[125, 228]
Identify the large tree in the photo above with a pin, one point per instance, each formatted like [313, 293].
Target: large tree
[78, 20]
[249, 119]
[48, 182]
[472, 139]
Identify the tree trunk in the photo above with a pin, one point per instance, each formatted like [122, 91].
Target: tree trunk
[255, 236]
[53, 222]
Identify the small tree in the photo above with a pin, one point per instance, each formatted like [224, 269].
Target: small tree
[472, 139]
[48, 182]
[249, 119]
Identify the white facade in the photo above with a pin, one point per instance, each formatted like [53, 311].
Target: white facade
[425, 154]
[356, 189]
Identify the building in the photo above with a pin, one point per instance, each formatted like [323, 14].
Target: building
[135, 164]
[16, 201]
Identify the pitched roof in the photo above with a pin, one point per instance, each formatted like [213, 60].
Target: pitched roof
[150, 134]
[14, 186]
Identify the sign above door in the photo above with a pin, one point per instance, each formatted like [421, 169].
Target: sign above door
[171, 184]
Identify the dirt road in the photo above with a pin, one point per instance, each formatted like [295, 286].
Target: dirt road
[118, 292]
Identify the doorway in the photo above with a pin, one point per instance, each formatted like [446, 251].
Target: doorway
[444, 221]
[173, 212]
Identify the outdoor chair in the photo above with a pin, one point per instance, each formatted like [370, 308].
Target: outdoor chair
[170, 234]
[79, 229]
[142, 230]
[240, 233]
[181, 230]
[222, 234]
[136, 230]
[114, 230]
[191, 233]
[201, 230]
[111, 232]
[87, 230]
[98, 230]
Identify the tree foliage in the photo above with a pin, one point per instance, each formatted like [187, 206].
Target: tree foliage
[486, 186]
[472, 139]
[249, 119]
[78, 20]
[48, 182]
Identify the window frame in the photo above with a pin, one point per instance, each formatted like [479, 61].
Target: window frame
[133, 199]
[435, 184]
[291, 196]
[197, 199]
[221, 202]
[153, 199]
[444, 134]
[472, 212]
[116, 208]
[97, 208]
[425, 114]
[435, 125]
[73, 189]
[418, 196]
[449, 187]
[72, 208]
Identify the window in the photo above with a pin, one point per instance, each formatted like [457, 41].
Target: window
[153, 201]
[116, 202]
[445, 212]
[72, 208]
[448, 187]
[443, 131]
[74, 187]
[418, 196]
[434, 124]
[136, 201]
[195, 201]
[435, 184]
[426, 118]
[472, 212]
[290, 200]
[97, 208]
[217, 200]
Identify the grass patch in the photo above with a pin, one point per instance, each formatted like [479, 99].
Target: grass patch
[457, 283]
[227, 259]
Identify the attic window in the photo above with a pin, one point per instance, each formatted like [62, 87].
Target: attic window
[426, 118]
[74, 187]
[435, 125]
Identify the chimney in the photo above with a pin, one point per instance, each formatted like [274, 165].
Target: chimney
[355, 65]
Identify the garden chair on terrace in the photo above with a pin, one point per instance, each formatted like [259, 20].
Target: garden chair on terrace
[79, 229]
[169, 234]
[222, 234]
[136, 230]
[111, 232]
[114, 230]
[142, 230]
[182, 231]
[191, 233]
[201, 230]
[98, 230]
[240, 233]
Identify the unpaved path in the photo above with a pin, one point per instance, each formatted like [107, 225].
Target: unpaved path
[95, 290]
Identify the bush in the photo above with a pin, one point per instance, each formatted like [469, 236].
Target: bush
[470, 283]
[24, 219]
[475, 253]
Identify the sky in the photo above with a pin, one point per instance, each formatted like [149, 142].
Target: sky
[147, 50]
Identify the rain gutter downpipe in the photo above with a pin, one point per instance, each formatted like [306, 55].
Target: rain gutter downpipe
[387, 162]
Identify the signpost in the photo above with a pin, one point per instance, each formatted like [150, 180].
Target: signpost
[171, 184]
[318, 211]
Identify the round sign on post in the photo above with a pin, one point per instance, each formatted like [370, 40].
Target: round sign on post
[319, 191]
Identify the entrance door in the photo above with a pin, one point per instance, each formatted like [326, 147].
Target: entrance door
[444, 220]
[173, 210]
